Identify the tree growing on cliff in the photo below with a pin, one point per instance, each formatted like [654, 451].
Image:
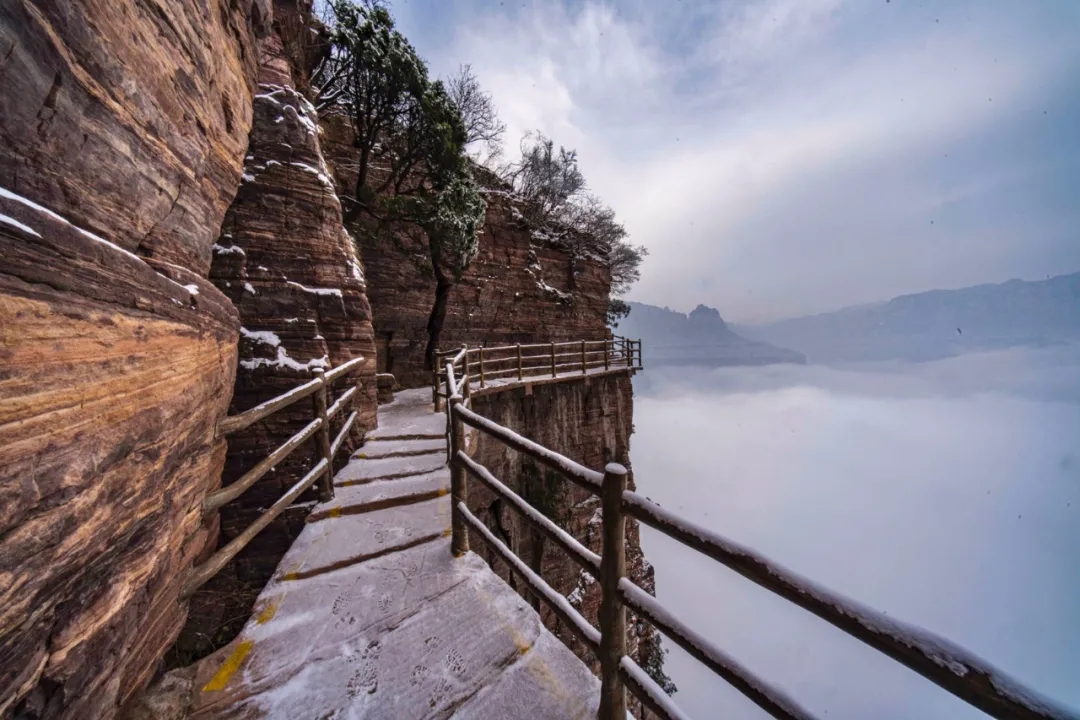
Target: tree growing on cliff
[558, 199]
[483, 128]
[624, 260]
[548, 180]
[409, 137]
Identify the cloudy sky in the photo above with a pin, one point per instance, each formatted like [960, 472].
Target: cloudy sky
[784, 157]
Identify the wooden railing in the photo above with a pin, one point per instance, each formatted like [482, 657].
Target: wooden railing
[951, 667]
[323, 466]
[487, 366]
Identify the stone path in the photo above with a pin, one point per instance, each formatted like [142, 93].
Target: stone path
[369, 615]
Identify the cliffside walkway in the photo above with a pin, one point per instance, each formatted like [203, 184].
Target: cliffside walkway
[379, 610]
[369, 615]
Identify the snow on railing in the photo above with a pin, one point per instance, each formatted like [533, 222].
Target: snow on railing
[951, 667]
[498, 367]
[326, 450]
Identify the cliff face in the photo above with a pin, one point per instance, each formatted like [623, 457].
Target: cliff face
[288, 266]
[130, 119]
[521, 287]
[122, 130]
[590, 422]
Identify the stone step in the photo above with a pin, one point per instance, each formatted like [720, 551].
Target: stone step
[382, 494]
[358, 472]
[337, 542]
[401, 448]
[423, 426]
[409, 437]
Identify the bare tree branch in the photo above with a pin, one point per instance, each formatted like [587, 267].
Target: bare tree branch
[483, 129]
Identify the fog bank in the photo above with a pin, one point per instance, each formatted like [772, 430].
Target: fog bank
[946, 494]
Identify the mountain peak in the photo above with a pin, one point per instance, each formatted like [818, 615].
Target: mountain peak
[706, 318]
[699, 338]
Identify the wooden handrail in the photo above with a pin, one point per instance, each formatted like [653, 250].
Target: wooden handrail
[227, 494]
[579, 474]
[202, 573]
[942, 662]
[454, 387]
[326, 451]
[951, 667]
[341, 402]
[648, 692]
[343, 369]
[481, 365]
[584, 557]
[558, 604]
[342, 434]
[234, 423]
[770, 699]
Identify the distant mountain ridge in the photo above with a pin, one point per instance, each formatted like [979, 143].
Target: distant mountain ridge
[699, 338]
[937, 324]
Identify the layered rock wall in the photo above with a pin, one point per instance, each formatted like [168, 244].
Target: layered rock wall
[122, 133]
[130, 117]
[292, 272]
[587, 420]
[522, 286]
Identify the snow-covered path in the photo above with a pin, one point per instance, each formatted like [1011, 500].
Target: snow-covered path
[370, 616]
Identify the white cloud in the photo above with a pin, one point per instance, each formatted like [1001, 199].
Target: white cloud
[942, 493]
[776, 156]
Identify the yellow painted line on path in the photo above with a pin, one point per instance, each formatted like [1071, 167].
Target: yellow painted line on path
[229, 667]
[269, 611]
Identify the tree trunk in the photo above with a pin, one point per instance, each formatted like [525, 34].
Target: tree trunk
[437, 318]
[358, 203]
[443, 284]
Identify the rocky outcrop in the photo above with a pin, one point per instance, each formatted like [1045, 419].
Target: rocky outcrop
[130, 119]
[122, 130]
[700, 338]
[587, 420]
[290, 269]
[523, 286]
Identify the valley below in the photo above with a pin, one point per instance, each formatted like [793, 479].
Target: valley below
[943, 493]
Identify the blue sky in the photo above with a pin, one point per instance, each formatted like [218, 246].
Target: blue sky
[786, 157]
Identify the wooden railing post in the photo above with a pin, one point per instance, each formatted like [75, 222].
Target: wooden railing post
[436, 380]
[607, 355]
[358, 398]
[322, 439]
[449, 418]
[481, 367]
[626, 352]
[584, 363]
[553, 360]
[466, 385]
[612, 614]
[459, 540]
[520, 370]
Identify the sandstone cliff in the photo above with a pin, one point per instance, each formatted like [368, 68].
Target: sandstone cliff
[122, 135]
[522, 286]
[145, 147]
[290, 269]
